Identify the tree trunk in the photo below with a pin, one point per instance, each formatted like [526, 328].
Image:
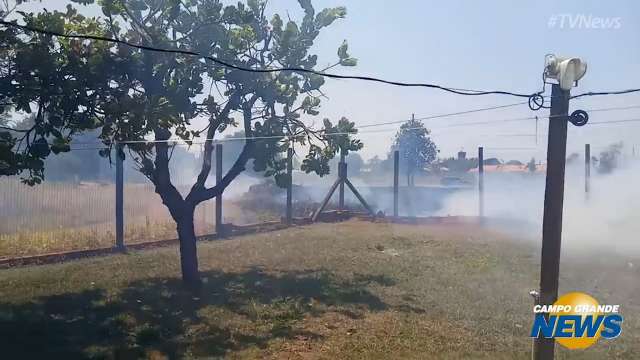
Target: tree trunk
[188, 250]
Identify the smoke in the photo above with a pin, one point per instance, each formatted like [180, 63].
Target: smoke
[605, 220]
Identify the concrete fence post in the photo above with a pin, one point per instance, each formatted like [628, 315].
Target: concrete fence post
[481, 182]
[289, 211]
[119, 197]
[396, 177]
[218, 151]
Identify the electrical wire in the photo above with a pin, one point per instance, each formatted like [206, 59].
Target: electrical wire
[599, 93]
[613, 122]
[275, 137]
[445, 115]
[474, 123]
[459, 91]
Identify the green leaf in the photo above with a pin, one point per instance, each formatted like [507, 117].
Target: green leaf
[60, 145]
[253, 5]
[40, 148]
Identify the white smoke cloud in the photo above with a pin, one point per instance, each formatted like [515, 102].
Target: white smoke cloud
[607, 221]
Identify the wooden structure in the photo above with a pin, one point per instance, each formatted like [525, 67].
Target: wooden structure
[341, 181]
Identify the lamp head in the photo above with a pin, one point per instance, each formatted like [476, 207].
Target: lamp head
[567, 71]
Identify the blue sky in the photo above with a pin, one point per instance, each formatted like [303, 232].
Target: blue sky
[480, 45]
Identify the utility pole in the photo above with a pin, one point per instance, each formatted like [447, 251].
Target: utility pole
[587, 170]
[552, 221]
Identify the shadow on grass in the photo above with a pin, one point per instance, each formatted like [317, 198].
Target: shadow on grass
[234, 311]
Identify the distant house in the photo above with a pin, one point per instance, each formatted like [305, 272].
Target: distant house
[492, 161]
[506, 168]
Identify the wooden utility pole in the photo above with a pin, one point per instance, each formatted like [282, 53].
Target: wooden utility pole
[289, 214]
[218, 151]
[552, 221]
[587, 170]
[119, 198]
[396, 177]
[481, 182]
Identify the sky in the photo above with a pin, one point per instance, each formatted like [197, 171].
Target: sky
[486, 45]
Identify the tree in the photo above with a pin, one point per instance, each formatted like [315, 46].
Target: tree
[136, 95]
[417, 150]
[608, 161]
[354, 164]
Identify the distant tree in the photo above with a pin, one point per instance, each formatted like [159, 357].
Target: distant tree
[354, 161]
[609, 158]
[131, 94]
[514, 162]
[376, 165]
[572, 158]
[417, 150]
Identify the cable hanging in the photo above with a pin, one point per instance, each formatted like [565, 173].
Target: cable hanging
[535, 100]
[458, 91]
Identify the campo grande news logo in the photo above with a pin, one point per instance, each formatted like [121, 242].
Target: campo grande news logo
[577, 321]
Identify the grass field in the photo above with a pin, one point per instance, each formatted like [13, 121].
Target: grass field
[350, 290]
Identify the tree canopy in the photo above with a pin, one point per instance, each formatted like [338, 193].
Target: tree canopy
[416, 148]
[130, 95]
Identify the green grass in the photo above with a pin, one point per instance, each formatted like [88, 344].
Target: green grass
[349, 290]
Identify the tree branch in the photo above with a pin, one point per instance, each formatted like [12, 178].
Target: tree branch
[214, 123]
[202, 194]
[162, 179]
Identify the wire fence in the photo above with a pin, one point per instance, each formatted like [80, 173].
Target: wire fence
[78, 213]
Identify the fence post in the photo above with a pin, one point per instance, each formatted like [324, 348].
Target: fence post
[119, 197]
[342, 166]
[481, 182]
[396, 176]
[218, 151]
[289, 213]
[587, 170]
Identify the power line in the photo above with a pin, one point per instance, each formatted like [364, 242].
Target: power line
[598, 93]
[613, 122]
[615, 108]
[276, 137]
[487, 109]
[446, 115]
[458, 91]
